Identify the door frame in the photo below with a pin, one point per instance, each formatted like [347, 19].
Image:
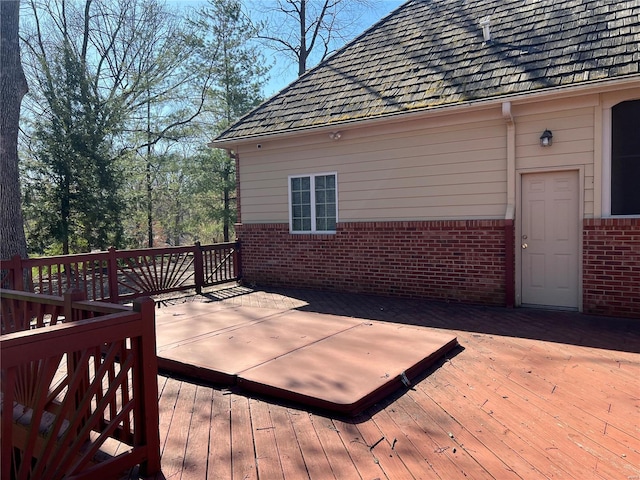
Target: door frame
[518, 224]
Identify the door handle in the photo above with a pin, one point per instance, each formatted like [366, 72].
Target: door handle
[524, 245]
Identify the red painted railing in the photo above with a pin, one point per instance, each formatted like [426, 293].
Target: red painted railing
[121, 275]
[79, 383]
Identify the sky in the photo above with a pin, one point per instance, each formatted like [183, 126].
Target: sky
[284, 71]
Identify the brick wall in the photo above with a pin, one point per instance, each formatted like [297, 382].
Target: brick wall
[447, 260]
[611, 267]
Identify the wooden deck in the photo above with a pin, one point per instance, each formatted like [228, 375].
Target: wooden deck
[528, 394]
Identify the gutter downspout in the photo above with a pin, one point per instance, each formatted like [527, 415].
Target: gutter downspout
[509, 231]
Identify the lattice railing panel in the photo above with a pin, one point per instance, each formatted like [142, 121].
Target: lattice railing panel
[118, 275]
[151, 274]
[220, 263]
[88, 273]
[70, 388]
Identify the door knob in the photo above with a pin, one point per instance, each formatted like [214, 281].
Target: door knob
[524, 245]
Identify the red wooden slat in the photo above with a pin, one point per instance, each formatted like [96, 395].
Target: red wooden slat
[243, 457]
[219, 464]
[138, 272]
[199, 435]
[174, 458]
[341, 464]
[291, 456]
[97, 393]
[359, 452]
[267, 456]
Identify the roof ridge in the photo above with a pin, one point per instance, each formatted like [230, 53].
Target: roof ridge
[431, 53]
[312, 69]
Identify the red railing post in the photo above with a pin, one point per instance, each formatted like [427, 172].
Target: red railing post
[70, 297]
[73, 358]
[112, 275]
[7, 380]
[17, 273]
[147, 417]
[198, 266]
[237, 261]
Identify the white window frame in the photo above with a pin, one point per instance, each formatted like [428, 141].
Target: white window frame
[312, 176]
[606, 159]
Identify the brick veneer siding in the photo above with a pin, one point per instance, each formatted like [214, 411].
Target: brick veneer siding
[447, 260]
[611, 267]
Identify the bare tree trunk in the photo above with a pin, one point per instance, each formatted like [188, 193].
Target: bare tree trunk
[304, 53]
[148, 178]
[13, 86]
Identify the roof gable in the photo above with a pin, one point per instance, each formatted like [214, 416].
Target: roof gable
[431, 53]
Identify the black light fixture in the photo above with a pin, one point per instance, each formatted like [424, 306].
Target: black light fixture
[546, 139]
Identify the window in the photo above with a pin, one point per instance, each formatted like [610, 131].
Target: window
[313, 203]
[625, 158]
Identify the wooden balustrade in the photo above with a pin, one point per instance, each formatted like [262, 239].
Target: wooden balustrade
[79, 387]
[122, 275]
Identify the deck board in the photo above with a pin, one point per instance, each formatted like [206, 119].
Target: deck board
[437, 438]
[291, 457]
[242, 444]
[357, 450]
[267, 456]
[334, 449]
[317, 464]
[178, 458]
[197, 451]
[528, 394]
[461, 437]
[486, 430]
[220, 461]
[390, 462]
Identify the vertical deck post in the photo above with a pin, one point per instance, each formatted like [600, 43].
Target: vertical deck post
[237, 261]
[198, 266]
[73, 358]
[7, 380]
[147, 417]
[112, 275]
[70, 297]
[17, 274]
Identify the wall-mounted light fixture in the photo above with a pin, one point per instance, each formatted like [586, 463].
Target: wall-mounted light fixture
[546, 139]
[335, 135]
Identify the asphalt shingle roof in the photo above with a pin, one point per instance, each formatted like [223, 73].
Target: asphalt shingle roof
[431, 53]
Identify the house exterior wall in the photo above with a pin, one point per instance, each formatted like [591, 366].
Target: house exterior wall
[424, 205]
[573, 146]
[445, 260]
[611, 272]
[411, 171]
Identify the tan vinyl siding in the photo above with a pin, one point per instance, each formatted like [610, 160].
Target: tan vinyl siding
[442, 167]
[573, 144]
[405, 172]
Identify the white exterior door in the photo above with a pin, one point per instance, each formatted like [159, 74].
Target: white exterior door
[549, 242]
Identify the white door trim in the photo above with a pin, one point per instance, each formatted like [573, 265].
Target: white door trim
[518, 225]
